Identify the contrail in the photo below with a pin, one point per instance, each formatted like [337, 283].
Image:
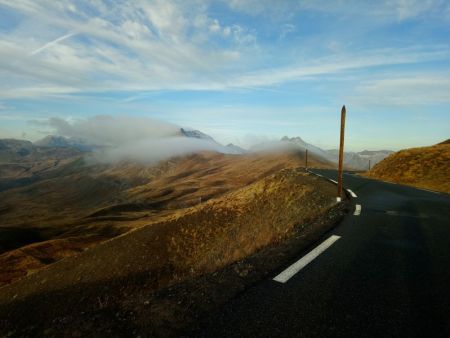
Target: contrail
[51, 43]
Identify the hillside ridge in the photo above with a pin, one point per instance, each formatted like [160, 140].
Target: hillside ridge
[423, 167]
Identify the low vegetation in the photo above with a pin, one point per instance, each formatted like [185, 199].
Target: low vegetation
[114, 240]
[238, 224]
[80, 206]
[202, 239]
[426, 167]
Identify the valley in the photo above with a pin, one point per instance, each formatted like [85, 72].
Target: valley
[76, 205]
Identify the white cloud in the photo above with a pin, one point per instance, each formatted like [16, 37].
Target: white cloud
[135, 30]
[63, 47]
[404, 90]
[277, 10]
[286, 29]
[134, 46]
[215, 26]
[333, 65]
[285, 9]
[406, 9]
[447, 12]
[108, 130]
[131, 138]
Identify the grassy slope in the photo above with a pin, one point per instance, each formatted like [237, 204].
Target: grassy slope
[426, 167]
[204, 238]
[64, 215]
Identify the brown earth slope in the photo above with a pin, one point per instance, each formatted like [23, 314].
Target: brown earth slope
[155, 280]
[202, 239]
[23, 163]
[426, 167]
[82, 205]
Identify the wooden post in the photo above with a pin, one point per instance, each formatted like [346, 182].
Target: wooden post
[341, 152]
[306, 158]
[369, 165]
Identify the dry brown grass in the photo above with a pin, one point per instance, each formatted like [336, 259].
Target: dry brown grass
[202, 239]
[234, 226]
[68, 213]
[426, 167]
[21, 262]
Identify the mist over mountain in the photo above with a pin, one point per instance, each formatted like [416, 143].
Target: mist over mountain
[22, 162]
[352, 160]
[52, 141]
[14, 150]
[234, 149]
[21, 151]
[360, 160]
[304, 145]
[115, 139]
[195, 134]
[106, 130]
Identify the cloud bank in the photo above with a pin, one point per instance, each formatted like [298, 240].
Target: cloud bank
[142, 140]
[68, 47]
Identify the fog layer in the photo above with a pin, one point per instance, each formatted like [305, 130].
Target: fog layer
[132, 138]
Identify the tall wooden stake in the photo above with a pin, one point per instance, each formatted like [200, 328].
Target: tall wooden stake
[369, 165]
[341, 152]
[306, 158]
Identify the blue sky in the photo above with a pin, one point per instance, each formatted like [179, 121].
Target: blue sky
[241, 71]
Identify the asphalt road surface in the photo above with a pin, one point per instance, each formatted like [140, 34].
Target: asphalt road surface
[384, 271]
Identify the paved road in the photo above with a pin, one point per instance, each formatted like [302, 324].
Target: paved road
[387, 276]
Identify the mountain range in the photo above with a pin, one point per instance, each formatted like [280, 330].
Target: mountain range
[52, 141]
[60, 147]
[352, 160]
[20, 151]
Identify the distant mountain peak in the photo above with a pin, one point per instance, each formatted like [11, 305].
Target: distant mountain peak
[296, 139]
[195, 134]
[235, 149]
[54, 141]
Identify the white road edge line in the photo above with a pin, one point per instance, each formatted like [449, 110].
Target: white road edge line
[352, 193]
[434, 192]
[333, 181]
[305, 260]
[357, 210]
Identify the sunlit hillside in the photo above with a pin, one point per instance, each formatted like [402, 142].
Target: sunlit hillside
[426, 167]
[82, 205]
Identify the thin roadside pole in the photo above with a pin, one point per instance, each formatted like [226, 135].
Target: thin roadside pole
[341, 152]
[306, 158]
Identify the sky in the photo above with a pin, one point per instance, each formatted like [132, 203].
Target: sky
[242, 71]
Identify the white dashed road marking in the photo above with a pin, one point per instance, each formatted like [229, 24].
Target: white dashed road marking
[352, 193]
[357, 210]
[305, 260]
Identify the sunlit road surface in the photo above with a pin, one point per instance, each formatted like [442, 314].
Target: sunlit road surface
[388, 275]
